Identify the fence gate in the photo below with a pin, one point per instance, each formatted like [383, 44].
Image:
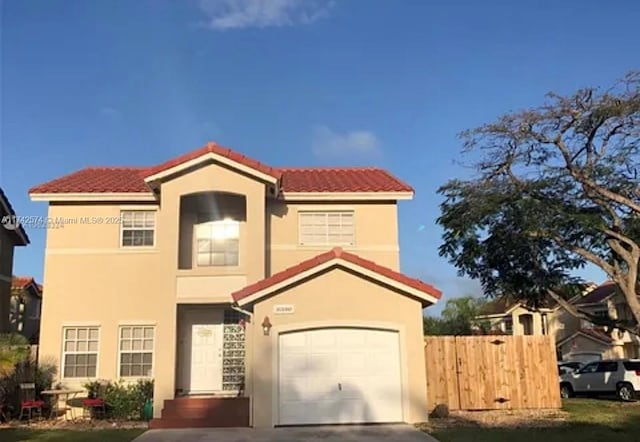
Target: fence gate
[491, 372]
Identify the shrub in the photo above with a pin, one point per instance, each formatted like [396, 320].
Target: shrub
[94, 389]
[25, 371]
[124, 401]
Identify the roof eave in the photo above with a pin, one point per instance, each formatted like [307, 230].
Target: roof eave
[586, 335]
[164, 174]
[425, 298]
[93, 196]
[347, 196]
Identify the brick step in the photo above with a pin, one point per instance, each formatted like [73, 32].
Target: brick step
[204, 413]
[211, 403]
[190, 423]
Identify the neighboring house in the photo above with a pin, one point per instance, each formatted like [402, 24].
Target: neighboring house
[575, 339]
[12, 234]
[24, 315]
[515, 318]
[582, 340]
[275, 293]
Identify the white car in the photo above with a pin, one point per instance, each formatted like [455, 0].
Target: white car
[620, 377]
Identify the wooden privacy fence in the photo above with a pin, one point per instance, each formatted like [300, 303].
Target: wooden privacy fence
[491, 372]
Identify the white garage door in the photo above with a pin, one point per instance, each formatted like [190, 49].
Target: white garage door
[339, 375]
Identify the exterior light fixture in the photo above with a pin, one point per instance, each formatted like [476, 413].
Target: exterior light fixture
[266, 326]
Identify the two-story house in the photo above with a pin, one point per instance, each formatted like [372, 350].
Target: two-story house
[582, 340]
[512, 317]
[256, 295]
[576, 339]
[26, 302]
[12, 235]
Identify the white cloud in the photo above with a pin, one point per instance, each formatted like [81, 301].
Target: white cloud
[329, 144]
[239, 14]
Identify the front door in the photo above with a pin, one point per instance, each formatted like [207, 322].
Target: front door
[206, 357]
[203, 351]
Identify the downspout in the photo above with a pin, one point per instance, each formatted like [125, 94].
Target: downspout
[248, 357]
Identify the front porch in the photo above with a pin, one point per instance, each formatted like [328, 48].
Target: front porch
[209, 371]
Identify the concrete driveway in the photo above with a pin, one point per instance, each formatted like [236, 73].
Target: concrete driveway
[373, 433]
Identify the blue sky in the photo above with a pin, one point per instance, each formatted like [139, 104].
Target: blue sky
[289, 82]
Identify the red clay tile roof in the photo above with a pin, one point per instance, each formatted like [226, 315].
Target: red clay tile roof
[98, 180]
[341, 180]
[220, 150]
[334, 253]
[131, 179]
[21, 282]
[599, 294]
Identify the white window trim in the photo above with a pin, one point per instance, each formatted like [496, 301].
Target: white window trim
[155, 229]
[194, 247]
[327, 243]
[153, 350]
[64, 352]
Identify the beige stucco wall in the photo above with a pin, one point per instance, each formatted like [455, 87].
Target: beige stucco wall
[90, 279]
[562, 324]
[338, 298]
[376, 232]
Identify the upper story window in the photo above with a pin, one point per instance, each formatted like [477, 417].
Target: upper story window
[218, 243]
[138, 228]
[326, 228]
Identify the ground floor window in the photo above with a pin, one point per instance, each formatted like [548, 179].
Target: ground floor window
[233, 351]
[80, 352]
[136, 351]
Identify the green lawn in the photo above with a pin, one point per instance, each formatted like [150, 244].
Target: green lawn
[27, 435]
[589, 420]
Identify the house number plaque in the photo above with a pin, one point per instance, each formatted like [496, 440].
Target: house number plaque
[284, 309]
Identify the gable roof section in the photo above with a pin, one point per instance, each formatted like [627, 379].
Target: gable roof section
[213, 151]
[17, 230]
[19, 283]
[337, 257]
[134, 183]
[600, 294]
[503, 304]
[591, 334]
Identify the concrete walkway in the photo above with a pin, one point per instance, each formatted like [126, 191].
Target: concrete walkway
[373, 433]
